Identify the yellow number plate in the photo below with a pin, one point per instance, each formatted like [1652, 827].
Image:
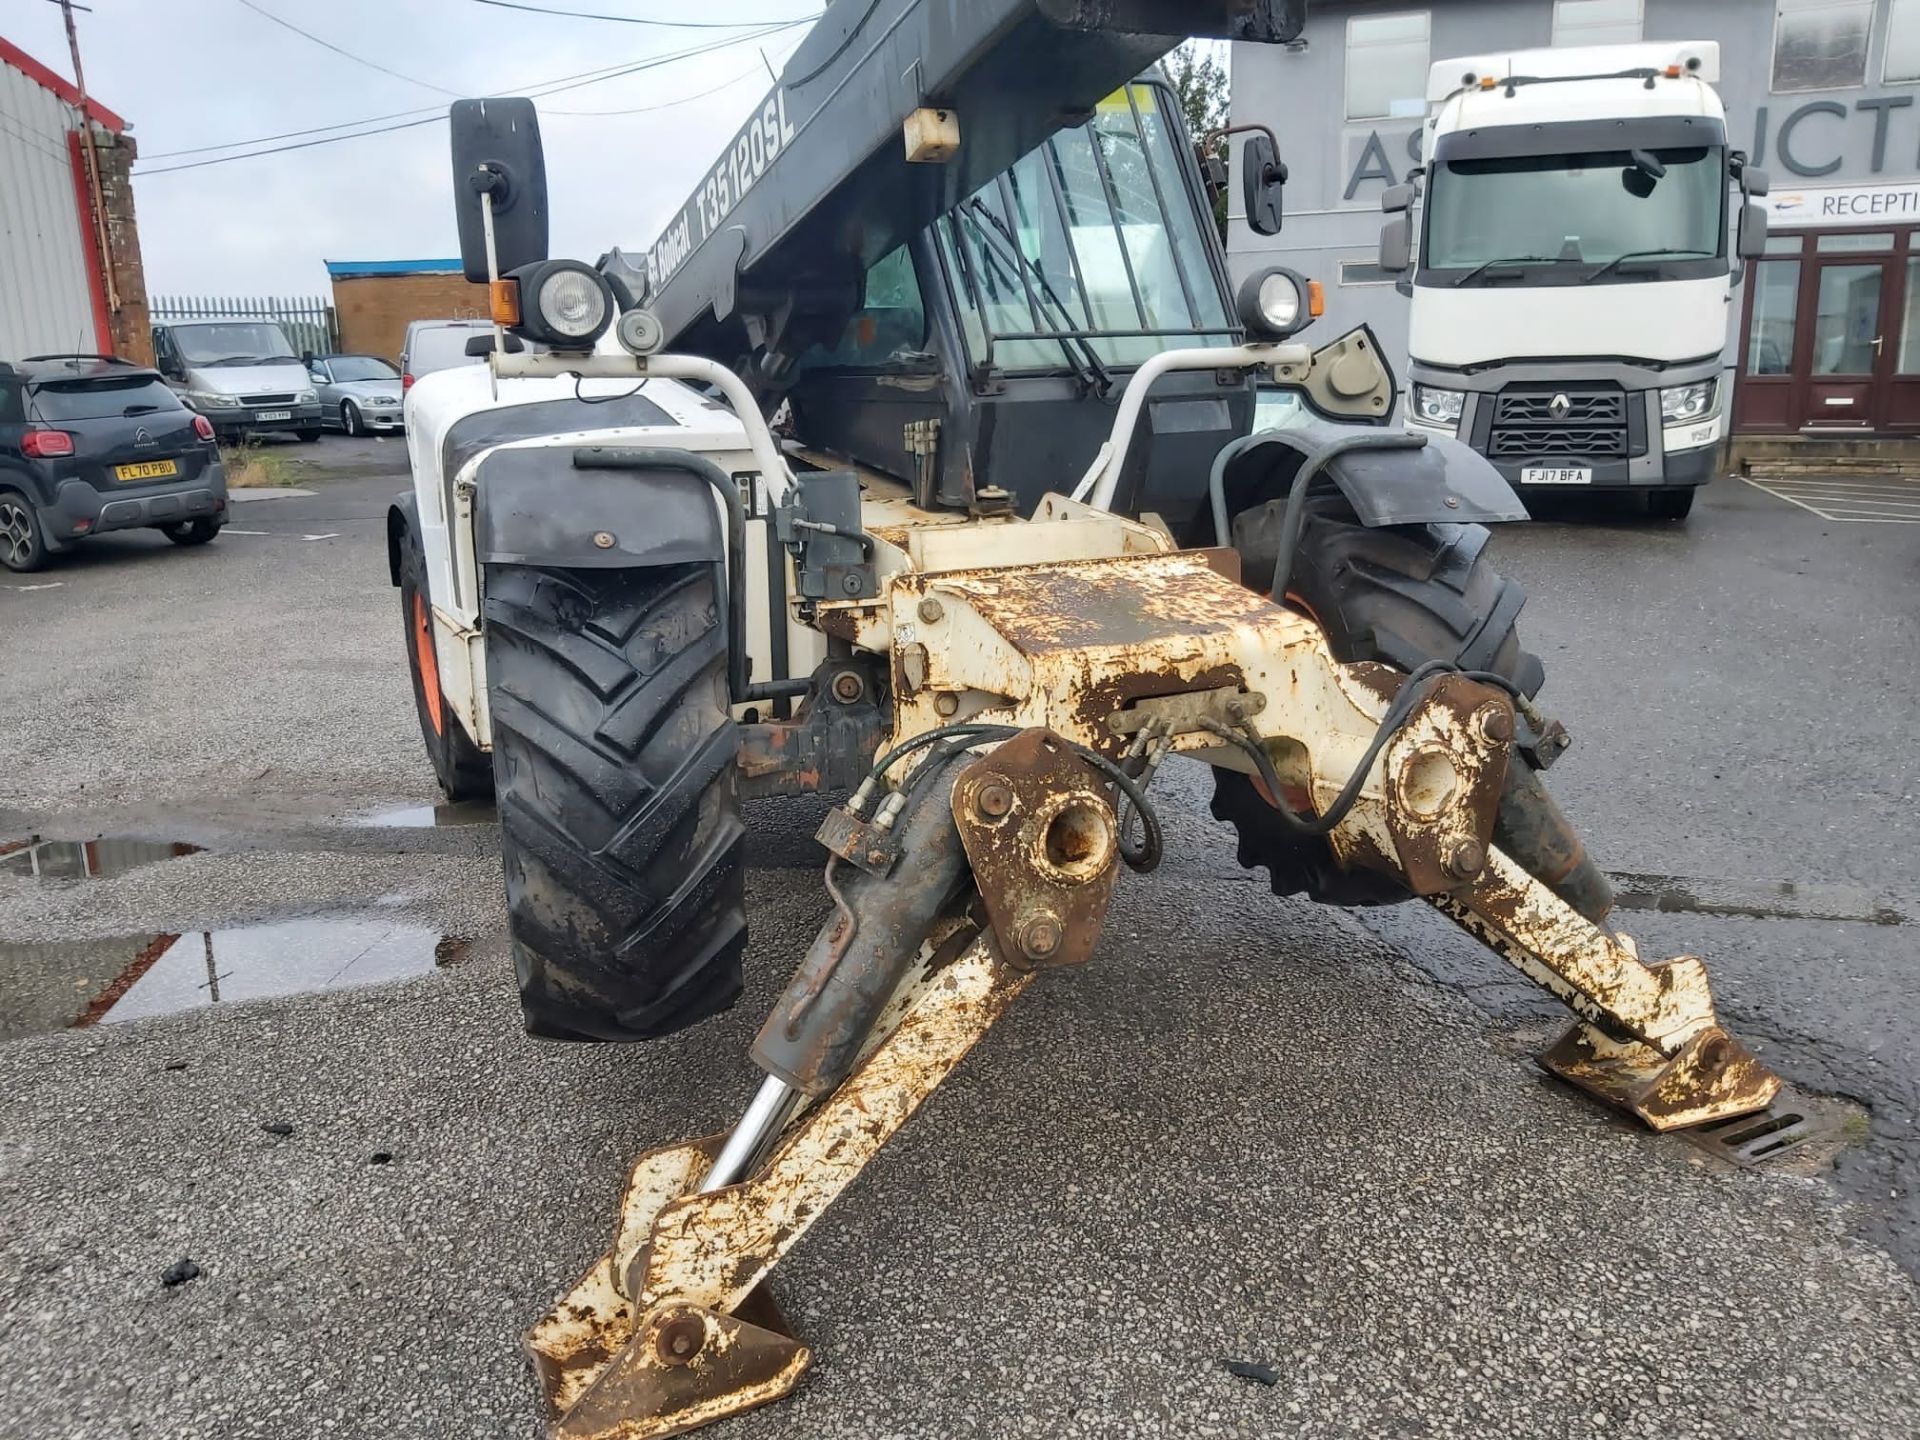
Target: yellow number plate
[146, 470]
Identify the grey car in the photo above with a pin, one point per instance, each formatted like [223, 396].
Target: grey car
[359, 394]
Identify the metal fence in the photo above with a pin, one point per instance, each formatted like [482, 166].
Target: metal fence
[309, 320]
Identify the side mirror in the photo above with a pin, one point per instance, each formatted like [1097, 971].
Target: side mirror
[1262, 177]
[1396, 244]
[482, 345]
[1752, 243]
[1397, 199]
[496, 153]
[1753, 181]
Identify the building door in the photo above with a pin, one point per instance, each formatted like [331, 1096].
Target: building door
[1848, 362]
[1832, 335]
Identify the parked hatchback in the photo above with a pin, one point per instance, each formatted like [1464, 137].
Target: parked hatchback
[358, 393]
[89, 444]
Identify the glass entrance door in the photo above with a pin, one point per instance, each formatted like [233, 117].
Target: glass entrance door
[1849, 343]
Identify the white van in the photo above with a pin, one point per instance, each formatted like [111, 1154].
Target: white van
[439, 345]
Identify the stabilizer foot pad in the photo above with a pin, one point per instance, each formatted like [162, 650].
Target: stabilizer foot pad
[1711, 1077]
[687, 1366]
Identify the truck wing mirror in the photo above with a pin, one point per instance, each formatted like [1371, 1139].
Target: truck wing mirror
[497, 156]
[1754, 183]
[1262, 178]
[1396, 244]
[1397, 199]
[1753, 231]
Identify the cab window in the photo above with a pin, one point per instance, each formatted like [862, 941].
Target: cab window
[889, 328]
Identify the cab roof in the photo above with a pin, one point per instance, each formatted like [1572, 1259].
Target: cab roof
[1594, 82]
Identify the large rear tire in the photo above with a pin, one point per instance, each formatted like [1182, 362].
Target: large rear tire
[1401, 595]
[461, 767]
[614, 759]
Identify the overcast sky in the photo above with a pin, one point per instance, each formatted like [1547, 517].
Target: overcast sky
[194, 73]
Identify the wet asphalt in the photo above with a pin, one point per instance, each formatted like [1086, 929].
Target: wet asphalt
[1252, 1130]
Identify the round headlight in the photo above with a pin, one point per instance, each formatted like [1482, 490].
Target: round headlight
[1273, 304]
[1279, 301]
[573, 304]
[563, 303]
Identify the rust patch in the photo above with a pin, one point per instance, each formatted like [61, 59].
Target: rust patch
[1044, 845]
[1111, 693]
[1121, 603]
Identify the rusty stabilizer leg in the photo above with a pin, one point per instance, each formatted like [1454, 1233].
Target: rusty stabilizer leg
[673, 1327]
[1649, 1041]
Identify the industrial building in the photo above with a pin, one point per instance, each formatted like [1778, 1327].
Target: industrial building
[70, 274]
[1825, 330]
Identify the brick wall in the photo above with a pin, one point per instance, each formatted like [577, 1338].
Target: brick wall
[374, 310]
[132, 333]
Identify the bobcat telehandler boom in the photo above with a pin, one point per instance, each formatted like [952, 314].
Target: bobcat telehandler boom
[1015, 541]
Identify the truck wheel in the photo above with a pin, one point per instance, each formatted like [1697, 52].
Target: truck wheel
[1674, 504]
[614, 760]
[1400, 595]
[461, 767]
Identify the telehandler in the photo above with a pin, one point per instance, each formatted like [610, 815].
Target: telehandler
[930, 456]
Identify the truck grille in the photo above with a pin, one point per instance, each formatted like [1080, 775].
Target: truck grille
[1591, 425]
[266, 399]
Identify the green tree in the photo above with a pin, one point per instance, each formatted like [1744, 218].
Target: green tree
[1199, 74]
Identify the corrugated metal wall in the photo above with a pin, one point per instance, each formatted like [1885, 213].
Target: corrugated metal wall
[45, 301]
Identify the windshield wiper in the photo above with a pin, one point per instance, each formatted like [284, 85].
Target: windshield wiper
[1088, 370]
[139, 410]
[249, 360]
[1487, 265]
[1671, 254]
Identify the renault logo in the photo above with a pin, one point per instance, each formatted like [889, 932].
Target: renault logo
[1560, 406]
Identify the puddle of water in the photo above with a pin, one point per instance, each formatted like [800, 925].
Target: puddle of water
[428, 817]
[70, 983]
[86, 859]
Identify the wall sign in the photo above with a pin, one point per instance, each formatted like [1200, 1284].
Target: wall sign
[1817, 205]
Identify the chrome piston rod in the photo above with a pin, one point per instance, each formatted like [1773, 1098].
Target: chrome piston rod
[766, 1117]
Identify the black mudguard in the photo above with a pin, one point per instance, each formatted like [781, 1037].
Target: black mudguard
[535, 507]
[1443, 481]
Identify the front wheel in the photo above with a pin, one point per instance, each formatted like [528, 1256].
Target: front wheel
[461, 767]
[1670, 504]
[350, 420]
[614, 758]
[191, 532]
[1400, 595]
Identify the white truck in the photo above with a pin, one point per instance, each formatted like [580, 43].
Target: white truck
[1571, 280]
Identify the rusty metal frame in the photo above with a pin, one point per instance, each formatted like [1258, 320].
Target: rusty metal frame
[680, 1253]
[1114, 642]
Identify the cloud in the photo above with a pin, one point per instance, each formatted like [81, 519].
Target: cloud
[190, 73]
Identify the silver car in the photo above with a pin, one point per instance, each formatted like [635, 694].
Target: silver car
[359, 394]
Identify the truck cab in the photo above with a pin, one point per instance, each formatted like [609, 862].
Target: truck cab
[1577, 249]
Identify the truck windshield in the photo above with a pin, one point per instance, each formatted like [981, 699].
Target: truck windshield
[1089, 250]
[1568, 213]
